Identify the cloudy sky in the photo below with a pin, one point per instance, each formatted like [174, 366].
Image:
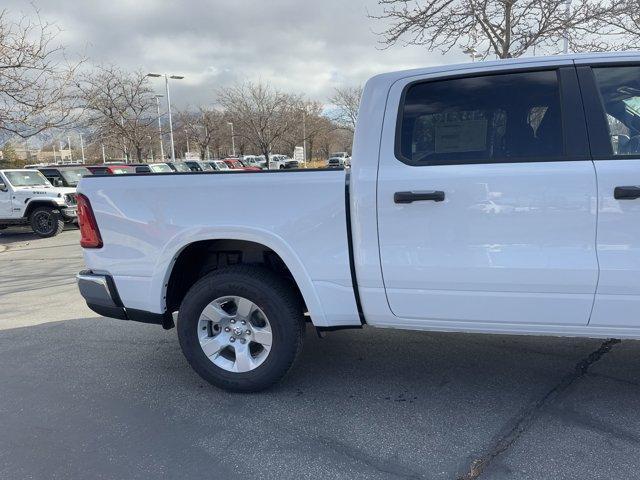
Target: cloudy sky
[302, 46]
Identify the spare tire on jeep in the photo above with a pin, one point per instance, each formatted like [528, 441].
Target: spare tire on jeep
[46, 222]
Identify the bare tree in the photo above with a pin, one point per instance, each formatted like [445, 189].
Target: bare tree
[507, 28]
[260, 113]
[120, 107]
[347, 102]
[206, 128]
[629, 23]
[36, 80]
[311, 123]
[333, 139]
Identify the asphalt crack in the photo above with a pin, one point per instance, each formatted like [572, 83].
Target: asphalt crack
[520, 425]
[388, 467]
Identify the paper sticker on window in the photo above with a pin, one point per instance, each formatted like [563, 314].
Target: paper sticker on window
[464, 136]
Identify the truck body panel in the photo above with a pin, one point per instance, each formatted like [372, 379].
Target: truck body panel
[146, 221]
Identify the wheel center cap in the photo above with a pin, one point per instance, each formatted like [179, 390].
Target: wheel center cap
[238, 331]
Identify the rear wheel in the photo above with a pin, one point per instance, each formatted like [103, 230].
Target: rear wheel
[241, 328]
[46, 222]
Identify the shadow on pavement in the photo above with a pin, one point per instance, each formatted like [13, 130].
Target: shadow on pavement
[103, 398]
[23, 234]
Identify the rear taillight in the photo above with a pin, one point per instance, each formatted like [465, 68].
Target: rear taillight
[89, 232]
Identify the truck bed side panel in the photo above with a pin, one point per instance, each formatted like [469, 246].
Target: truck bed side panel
[147, 220]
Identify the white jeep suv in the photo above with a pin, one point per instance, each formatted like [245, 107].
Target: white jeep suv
[28, 198]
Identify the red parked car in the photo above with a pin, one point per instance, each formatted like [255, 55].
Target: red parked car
[110, 169]
[236, 164]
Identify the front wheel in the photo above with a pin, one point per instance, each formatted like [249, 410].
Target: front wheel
[46, 222]
[241, 328]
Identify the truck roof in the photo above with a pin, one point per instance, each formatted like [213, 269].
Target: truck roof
[503, 64]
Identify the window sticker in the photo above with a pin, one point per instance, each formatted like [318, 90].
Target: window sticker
[462, 136]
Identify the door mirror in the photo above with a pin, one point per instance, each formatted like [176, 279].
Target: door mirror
[3, 187]
[57, 182]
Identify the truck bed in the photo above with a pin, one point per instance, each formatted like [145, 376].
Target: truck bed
[147, 220]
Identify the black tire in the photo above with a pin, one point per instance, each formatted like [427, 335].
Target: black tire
[46, 222]
[278, 300]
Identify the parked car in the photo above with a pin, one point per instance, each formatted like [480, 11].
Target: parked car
[218, 165]
[109, 169]
[251, 161]
[233, 163]
[28, 198]
[290, 164]
[236, 164]
[151, 168]
[277, 161]
[261, 161]
[346, 158]
[178, 166]
[487, 198]
[199, 166]
[64, 176]
[335, 162]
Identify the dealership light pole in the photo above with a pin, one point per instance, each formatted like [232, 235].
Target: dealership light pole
[233, 140]
[565, 43]
[82, 147]
[304, 136]
[166, 84]
[158, 97]
[206, 135]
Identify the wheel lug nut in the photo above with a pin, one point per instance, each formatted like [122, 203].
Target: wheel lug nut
[232, 339]
[233, 320]
[244, 322]
[227, 329]
[248, 332]
[243, 341]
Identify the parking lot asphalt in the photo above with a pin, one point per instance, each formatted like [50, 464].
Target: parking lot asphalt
[86, 397]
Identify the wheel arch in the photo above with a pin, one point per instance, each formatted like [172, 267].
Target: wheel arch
[36, 203]
[183, 262]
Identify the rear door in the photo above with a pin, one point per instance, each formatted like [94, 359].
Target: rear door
[486, 200]
[612, 102]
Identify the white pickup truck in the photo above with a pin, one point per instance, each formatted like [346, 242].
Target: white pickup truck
[28, 198]
[499, 197]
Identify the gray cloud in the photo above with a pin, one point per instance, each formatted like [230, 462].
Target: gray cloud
[300, 46]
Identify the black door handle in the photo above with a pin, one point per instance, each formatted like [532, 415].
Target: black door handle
[626, 193]
[410, 197]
